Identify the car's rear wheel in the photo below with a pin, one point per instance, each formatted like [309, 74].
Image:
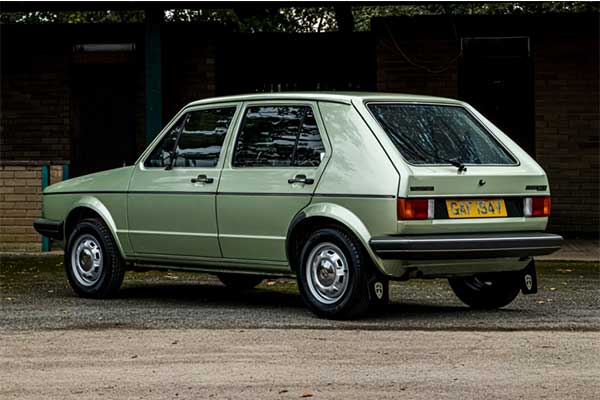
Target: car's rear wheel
[487, 291]
[334, 274]
[93, 264]
[240, 281]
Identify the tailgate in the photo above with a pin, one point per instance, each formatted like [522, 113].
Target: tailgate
[491, 185]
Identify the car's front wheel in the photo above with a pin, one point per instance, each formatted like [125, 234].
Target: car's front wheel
[334, 274]
[93, 264]
[487, 291]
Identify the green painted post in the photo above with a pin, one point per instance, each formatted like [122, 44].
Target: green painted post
[65, 172]
[153, 70]
[45, 184]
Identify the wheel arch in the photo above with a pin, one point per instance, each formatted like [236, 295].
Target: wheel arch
[324, 214]
[91, 207]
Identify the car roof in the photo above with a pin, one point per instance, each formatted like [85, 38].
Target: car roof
[337, 97]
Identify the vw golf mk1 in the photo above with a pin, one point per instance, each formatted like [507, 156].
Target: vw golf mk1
[346, 191]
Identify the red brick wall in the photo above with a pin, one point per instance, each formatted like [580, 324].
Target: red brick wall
[37, 117]
[416, 61]
[567, 113]
[38, 64]
[188, 73]
[564, 54]
[21, 203]
[35, 107]
[188, 67]
[36, 103]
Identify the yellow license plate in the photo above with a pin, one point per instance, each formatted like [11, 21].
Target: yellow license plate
[476, 208]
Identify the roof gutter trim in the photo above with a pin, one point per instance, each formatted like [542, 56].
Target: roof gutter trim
[224, 100]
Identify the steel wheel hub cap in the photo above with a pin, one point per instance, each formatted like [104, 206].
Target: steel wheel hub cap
[327, 273]
[86, 260]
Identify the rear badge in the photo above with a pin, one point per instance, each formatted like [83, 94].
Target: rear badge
[539, 188]
[378, 290]
[481, 182]
[422, 188]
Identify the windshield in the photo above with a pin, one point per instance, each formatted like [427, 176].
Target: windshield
[439, 134]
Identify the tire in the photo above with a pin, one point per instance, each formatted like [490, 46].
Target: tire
[93, 264]
[334, 293]
[240, 282]
[487, 291]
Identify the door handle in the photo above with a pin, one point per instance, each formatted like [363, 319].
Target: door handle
[202, 179]
[301, 179]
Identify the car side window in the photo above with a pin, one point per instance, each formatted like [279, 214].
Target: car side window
[160, 157]
[198, 136]
[278, 136]
[309, 149]
[201, 139]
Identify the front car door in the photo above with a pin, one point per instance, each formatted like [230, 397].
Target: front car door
[171, 199]
[270, 174]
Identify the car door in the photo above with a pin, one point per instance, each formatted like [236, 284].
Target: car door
[171, 199]
[270, 174]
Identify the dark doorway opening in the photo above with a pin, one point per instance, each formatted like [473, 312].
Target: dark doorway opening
[103, 117]
[496, 78]
[280, 62]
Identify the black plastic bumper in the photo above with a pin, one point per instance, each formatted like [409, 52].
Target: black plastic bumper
[463, 246]
[49, 228]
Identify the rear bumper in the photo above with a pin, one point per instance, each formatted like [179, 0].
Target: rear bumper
[466, 246]
[49, 228]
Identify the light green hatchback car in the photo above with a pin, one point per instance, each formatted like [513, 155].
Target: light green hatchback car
[345, 191]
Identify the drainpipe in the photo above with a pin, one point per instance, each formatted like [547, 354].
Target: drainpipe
[153, 72]
[45, 184]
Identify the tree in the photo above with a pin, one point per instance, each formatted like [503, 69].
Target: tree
[275, 18]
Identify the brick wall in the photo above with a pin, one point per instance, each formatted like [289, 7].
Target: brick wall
[567, 113]
[188, 73]
[566, 109]
[37, 96]
[192, 76]
[35, 107]
[38, 119]
[21, 203]
[414, 60]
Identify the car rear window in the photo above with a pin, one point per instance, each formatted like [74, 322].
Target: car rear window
[439, 134]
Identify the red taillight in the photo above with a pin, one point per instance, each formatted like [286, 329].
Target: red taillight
[538, 206]
[415, 209]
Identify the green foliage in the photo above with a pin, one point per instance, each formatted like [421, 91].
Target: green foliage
[71, 17]
[297, 19]
[363, 14]
[270, 19]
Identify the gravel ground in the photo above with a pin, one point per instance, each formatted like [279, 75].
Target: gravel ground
[34, 294]
[290, 364]
[185, 336]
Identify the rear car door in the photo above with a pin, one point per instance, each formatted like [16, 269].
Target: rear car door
[270, 175]
[171, 199]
